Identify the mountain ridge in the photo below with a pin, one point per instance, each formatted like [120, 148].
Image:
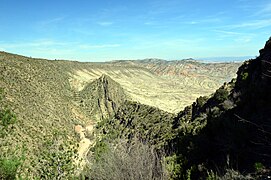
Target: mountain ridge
[108, 96]
[224, 136]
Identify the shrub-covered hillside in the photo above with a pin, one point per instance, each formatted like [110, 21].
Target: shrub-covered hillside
[225, 136]
[237, 132]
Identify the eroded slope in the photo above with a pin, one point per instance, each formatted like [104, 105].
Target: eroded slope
[160, 83]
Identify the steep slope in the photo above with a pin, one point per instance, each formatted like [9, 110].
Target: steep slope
[232, 128]
[40, 95]
[101, 98]
[144, 122]
[216, 137]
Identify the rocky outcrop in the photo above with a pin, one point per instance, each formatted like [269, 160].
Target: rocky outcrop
[102, 97]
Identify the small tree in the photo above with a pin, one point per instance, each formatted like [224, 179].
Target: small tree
[221, 95]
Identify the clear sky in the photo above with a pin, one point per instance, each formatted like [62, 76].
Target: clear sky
[99, 30]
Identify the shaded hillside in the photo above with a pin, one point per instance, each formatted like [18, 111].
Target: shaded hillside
[135, 120]
[237, 130]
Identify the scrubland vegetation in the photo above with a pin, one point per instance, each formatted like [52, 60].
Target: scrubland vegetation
[222, 136]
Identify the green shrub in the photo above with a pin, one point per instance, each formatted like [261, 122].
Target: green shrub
[7, 118]
[9, 167]
[221, 95]
[99, 149]
[9, 160]
[258, 166]
[173, 166]
[201, 101]
[244, 76]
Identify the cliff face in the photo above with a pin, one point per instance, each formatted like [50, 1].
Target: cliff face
[252, 88]
[265, 58]
[101, 98]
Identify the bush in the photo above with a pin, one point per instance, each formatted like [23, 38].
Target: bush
[201, 101]
[9, 161]
[100, 149]
[173, 166]
[133, 160]
[221, 95]
[258, 166]
[7, 117]
[228, 104]
[244, 76]
[234, 175]
[9, 167]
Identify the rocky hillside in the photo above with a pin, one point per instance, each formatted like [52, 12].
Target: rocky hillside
[101, 98]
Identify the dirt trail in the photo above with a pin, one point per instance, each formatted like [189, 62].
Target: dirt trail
[87, 138]
[85, 143]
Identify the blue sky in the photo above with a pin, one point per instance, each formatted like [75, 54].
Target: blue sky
[89, 30]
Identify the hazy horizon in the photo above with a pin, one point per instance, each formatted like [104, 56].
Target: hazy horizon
[199, 59]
